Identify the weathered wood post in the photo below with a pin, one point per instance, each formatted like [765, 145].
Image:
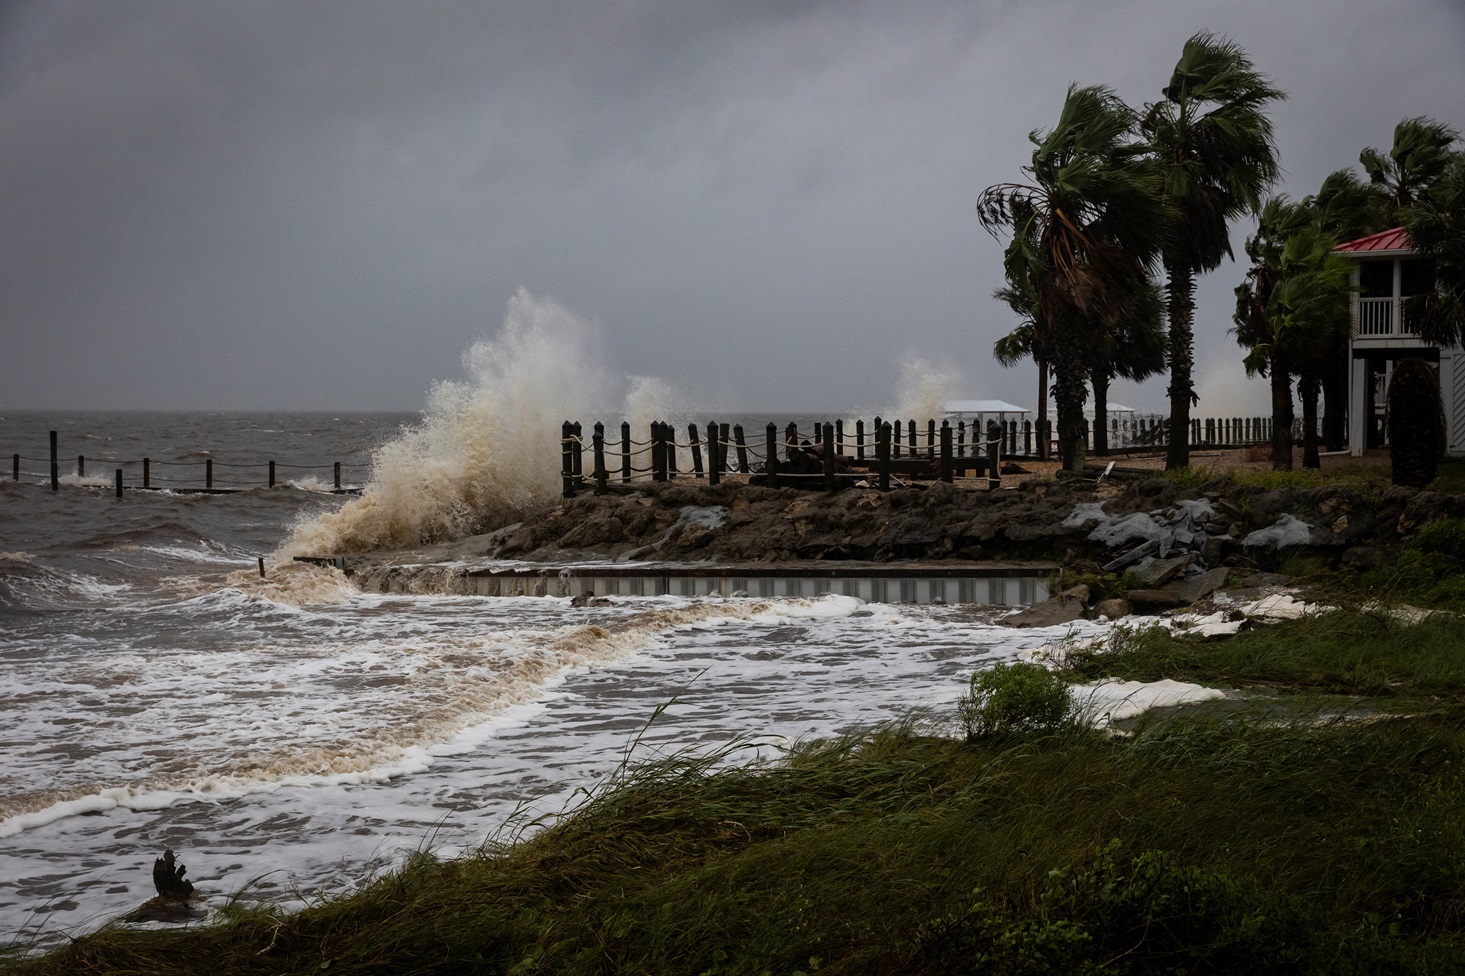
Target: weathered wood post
[931, 438]
[55, 471]
[208, 474]
[839, 436]
[961, 438]
[911, 429]
[81, 465]
[336, 472]
[658, 453]
[895, 439]
[828, 456]
[625, 452]
[15, 467]
[771, 464]
[1027, 438]
[714, 468]
[602, 478]
[577, 454]
[742, 449]
[119, 482]
[860, 441]
[818, 434]
[994, 456]
[147, 473]
[946, 475]
[790, 440]
[567, 480]
[696, 446]
[883, 435]
[724, 440]
[671, 450]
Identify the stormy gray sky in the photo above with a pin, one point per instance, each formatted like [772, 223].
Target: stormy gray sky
[321, 205]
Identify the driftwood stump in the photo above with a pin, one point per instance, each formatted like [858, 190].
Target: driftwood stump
[168, 877]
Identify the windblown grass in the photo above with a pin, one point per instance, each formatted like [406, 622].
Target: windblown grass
[1352, 652]
[1209, 846]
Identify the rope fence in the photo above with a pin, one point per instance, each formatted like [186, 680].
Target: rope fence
[883, 450]
[200, 476]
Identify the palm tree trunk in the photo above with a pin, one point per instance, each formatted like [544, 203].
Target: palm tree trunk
[1281, 415]
[1100, 381]
[1181, 306]
[1335, 400]
[1069, 372]
[1309, 389]
[1042, 408]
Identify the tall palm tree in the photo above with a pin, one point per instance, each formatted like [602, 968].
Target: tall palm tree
[1436, 226]
[1085, 230]
[1213, 142]
[1135, 351]
[1422, 149]
[1026, 340]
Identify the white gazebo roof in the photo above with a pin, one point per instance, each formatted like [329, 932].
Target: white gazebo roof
[983, 407]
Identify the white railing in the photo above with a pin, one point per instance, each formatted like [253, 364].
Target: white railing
[1383, 317]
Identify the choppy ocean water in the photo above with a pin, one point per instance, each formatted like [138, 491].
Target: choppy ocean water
[289, 736]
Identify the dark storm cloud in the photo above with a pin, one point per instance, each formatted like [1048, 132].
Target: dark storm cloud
[322, 204]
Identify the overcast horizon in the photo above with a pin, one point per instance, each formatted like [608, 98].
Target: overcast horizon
[322, 206]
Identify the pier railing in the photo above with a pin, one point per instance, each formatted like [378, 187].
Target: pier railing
[206, 476]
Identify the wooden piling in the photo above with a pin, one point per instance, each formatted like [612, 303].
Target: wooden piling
[625, 452]
[895, 439]
[790, 440]
[714, 461]
[771, 465]
[261, 567]
[55, 471]
[208, 474]
[81, 465]
[658, 453]
[742, 449]
[931, 438]
[337, 473]
[145, 473]
[883, 446]
[696, 450]
[839, 436]
[602, 478]
[828, 456]
[859, 441]
[567, 481]
[119, 482]
[946, 473]
[15, 467]
[911, 429]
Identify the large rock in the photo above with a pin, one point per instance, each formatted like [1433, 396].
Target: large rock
[1049, 613]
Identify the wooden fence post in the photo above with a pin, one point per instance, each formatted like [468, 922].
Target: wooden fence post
[931, 438]
[771, 462]
[696, 445]
[994, 459]
[859, 443]
[839, 436]
[602, 479]
[790, 440]
[911, 430]
[946, 475]
[828, 456]
[742, 449]
[882, 453]
[625, 452]
[567, 480]
[895, 439]
[714, 466]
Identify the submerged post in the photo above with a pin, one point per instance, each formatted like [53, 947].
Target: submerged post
[337, 473]
[15, 467]
[147, 473]
[119, 482]
[55, 472]
[81, 465]
[771, 465]
[208, 474]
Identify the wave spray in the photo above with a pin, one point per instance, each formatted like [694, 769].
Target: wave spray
[487, 450]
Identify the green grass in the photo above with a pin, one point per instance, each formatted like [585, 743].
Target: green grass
[1216, 845]
[1350, 652]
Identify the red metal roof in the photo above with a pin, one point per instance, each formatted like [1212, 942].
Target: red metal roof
[1385, 240]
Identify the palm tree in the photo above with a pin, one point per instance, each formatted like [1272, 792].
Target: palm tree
[1291, 313]
[1026, 340]
[1213, 142]
[1436, 226]
[1135, 351]
[1422, 149]
[1084, 232]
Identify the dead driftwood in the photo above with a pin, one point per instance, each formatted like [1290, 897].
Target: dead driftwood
[175, 901]
[168, 877]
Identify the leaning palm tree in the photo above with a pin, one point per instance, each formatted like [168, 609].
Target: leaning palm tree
[1421, 151]
[1436, 226]
[1213, 142]
[1134, 350]
[1085, 229]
